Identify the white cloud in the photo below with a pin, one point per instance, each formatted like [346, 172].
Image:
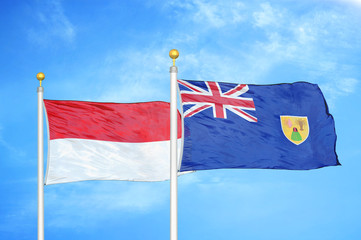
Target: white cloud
[345, 86]
[268, 16]
[187, 180]
[353, 2]
[207, 65]
[13, 150]
[135, 76]
[348, 85]
[214, 14]
[218, 15]
[241, 198]
[304, 34]
[338, 88]
[305, 41]
[53, 24]
[86, 204]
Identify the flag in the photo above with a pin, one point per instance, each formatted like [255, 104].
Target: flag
[281, 126]
[108, 141]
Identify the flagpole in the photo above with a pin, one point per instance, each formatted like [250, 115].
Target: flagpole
[173, 149]
[40, 76]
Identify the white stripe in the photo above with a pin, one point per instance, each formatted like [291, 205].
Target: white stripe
[195, 107]
[185, 83]
[237, 93]
[241, 114]
[72, 160]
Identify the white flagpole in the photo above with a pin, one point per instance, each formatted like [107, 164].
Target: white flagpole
[40, 76]
[173, 148]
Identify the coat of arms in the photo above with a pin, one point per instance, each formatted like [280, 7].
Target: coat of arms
[295, 128]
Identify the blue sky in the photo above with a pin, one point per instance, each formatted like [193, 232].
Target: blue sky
[118, 51]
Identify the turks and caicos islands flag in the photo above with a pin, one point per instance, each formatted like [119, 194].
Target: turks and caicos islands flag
[280, 126]
[108, 141]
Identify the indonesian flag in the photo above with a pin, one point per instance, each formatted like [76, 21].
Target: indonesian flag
[108, 141]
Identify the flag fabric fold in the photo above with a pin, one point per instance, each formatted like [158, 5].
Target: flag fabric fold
[281, 126]
[107, 141]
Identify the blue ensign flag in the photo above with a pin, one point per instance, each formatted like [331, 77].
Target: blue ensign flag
[281, 126]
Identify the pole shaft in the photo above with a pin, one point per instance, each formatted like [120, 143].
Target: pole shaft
[40, 165]
[173, 155]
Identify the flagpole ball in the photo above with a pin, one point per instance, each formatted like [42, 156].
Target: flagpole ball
[173, 54]
[40, 76]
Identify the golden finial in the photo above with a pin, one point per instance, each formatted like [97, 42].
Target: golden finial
[173, 54]
[40, 76]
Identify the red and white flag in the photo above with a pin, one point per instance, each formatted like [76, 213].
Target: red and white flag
[108, 141]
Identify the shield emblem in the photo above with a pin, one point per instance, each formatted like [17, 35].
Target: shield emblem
[295, 128]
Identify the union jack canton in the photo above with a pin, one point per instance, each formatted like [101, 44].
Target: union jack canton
[212, 96]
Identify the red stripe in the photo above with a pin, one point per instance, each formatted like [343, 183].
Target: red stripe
[236, 89]
[188, 85]
[197, 110]
[117, 122]
[246, 114]
[238, 102]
